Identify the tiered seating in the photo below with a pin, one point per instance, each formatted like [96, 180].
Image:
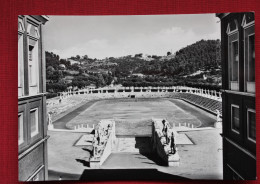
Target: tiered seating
[204, 102]
[56, 107]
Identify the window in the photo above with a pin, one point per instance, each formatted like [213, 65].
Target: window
[235, 124]
[251, 58]
[34, 122]
[234, 61]
[249, 51]
[32, 73]
[33, 58]
[20, 129]
[251, 125]
[233, 56]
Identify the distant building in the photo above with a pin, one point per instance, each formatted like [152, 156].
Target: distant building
[138, 75]
[238, 100]
[32, 119]
[111, 64]
[72, 62]
[68, 79]
[91, 86]
[62, 67]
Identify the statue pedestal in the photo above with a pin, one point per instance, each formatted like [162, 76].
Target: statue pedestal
[218, 124]
[94, 162]
[174, 160]
[50, 127]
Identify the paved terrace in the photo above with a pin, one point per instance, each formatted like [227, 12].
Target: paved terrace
[203, 160]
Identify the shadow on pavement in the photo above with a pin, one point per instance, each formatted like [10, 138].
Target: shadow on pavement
[145, 149]
[84, 162]
[126, 174]
[55, 175]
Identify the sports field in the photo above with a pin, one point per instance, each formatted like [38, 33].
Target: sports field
[133, 116]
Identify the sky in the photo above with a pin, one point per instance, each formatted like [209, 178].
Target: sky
[114, 36]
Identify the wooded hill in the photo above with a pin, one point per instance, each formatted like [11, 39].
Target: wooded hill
[196, 65]
[201, 55]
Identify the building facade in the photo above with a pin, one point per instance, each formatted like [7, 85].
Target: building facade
[238, 97]
[32, 126]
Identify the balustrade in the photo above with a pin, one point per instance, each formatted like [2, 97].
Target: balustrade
[144, 92]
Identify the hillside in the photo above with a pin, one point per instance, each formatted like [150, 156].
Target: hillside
[196, 65]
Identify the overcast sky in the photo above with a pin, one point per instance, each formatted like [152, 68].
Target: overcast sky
[114, 36]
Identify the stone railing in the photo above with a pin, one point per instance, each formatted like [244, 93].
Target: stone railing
[142, 92]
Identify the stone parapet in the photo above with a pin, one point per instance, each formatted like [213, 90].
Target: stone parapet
[104, 141]
[160, 145]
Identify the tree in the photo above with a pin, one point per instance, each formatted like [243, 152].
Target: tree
[75, 66]
[101, 79]
[85, 57]
[65, 62]
[139, 55]
[50, 70]
[155, 57]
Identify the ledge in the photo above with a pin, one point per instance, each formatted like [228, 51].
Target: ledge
[239, 147]
[23, 154]
[31, 96]
[239, 93]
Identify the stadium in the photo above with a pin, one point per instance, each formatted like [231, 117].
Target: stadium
[189, 110]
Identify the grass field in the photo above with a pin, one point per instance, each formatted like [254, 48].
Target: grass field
[133, 116]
